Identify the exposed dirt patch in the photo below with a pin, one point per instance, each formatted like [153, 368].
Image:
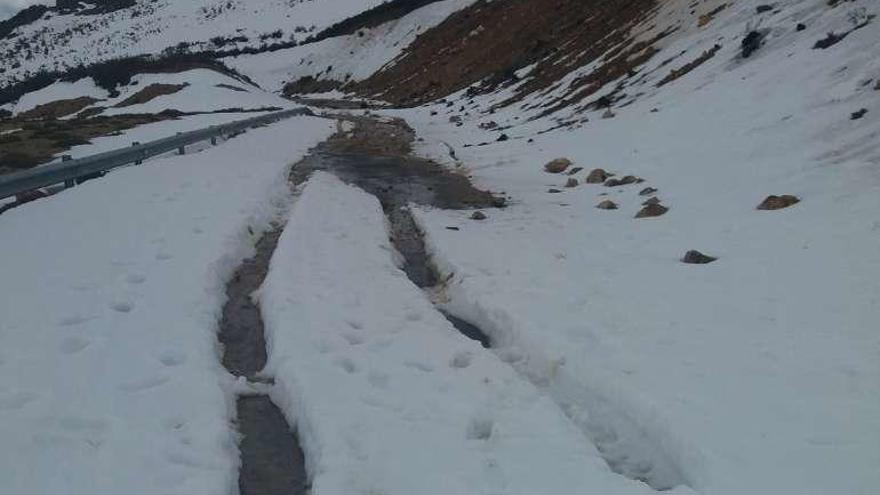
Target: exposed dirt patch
[58, 109]
[150, 93]
[376, 156]
[232, 88]
[39, 141]
[693, 64]
[308, 84]
[491, 41]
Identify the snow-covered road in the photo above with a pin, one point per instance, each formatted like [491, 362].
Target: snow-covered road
[110, 379]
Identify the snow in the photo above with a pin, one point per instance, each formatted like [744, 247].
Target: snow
[386, 395]
[59, 91]
[759, 370]
[345, 58]
[201, 94]
[110, 379]
[155, 25]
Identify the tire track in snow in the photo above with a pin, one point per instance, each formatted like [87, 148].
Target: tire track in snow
[375, 156]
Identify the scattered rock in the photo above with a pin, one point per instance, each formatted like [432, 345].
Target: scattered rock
[857, 115]
[575, 170]
[553, 191]
[763, 8]
[654, 210]
[751, 43]
[452, 228]
[651, 201]
[478, 215]
[628, 179]
[572, 182]
[694, 257]
[877, 86]
[455, 119]
[597, 176]
[828, 41]
[607, 205]
[647, 191]
[503, 137]
[778, 202]
[608, 114]
[557, 166]
[801, 26]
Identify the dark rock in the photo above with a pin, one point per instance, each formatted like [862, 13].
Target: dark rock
[751, 43]
[452, 228]
[478, 215]
[654, 210]
[763, 8]
[628, 179]
[651, 201]
[857, 115]
[694, 257]
[828, 41]
[607, 205]
[647, 191]
[575, 170]
[553, 191]
[597, 176]
[778, 202]
[572, 182]
[801, 26]
[557, 166]
[503, 137]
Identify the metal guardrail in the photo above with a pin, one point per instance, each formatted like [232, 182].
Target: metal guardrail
[69, 171]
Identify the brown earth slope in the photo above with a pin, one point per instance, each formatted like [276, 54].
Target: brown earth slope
[489, 41]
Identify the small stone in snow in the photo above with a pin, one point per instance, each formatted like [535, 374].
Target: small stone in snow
[857, 115]
[654, 200]
[629, 179]
[478, 215]
[575, 170]
[778, 202]
[553, 191]
[572, 182]
[503, 137]
[652, 211]
[557, 166]
[452, 228]
[694, 257]
[597, 176]
[647, 191]
[607, 205]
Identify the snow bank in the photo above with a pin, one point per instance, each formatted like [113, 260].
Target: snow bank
[387, 396]
[109, 374]
[759, 370]
[59, 91]
[203, 93]
[345, 58]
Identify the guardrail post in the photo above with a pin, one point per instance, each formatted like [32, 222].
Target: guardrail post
[69, 182]
[133, 144]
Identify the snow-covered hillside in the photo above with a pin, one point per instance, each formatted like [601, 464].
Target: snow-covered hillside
[681, 292]
[59, 40]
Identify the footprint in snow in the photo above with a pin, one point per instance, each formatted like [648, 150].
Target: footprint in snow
[144, 384]
[73, 345]
[135, 278]
[74, 320]
[172, 358]
[122, 306]
[461, 360]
